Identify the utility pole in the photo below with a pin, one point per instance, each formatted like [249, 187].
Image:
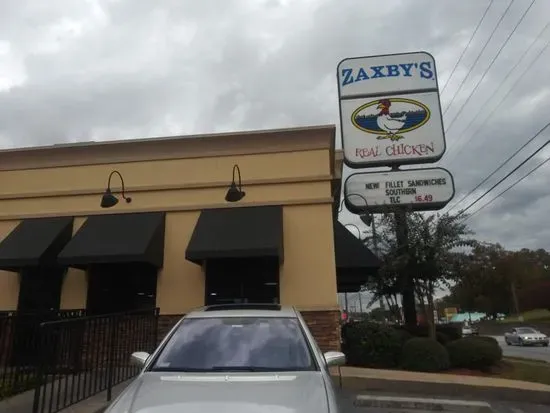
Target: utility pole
[360, 302]
[407, 282]
[515, 300]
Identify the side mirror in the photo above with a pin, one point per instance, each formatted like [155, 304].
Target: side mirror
[139, 358]
[334, 358]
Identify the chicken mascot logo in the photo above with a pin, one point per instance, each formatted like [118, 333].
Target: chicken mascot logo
[390, 118]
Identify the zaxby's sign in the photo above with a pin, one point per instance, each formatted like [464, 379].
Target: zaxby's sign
[390, 111]
[418, 189]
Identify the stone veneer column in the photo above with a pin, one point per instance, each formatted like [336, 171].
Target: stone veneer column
[325, 327]
[165, 324]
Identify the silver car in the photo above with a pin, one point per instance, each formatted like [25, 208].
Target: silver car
[525, 336]
[234, 359]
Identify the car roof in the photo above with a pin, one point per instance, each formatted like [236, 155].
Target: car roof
[243, 310]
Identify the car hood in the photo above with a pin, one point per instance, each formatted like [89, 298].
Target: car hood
[156, 392]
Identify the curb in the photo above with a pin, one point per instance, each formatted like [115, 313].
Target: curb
[450, 390]
[410, 403]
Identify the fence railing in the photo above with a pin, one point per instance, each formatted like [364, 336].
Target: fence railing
[84, 356]
[20, 346]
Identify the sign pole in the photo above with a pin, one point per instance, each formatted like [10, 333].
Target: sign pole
[407, 281]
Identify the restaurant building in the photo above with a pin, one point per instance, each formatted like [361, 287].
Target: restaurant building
[177, 239]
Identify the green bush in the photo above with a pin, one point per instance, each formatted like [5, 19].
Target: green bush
[424, 354]
[373, 345]
[452, 331]
[476, 353]
[493, 342]
[442, 338]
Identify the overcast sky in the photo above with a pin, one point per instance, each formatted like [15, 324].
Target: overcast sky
[83, 70]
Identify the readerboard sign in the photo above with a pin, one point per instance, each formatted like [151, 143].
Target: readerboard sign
[419, 189]
[390, 111]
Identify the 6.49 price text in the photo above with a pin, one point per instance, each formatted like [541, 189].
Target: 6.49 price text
[423, 198]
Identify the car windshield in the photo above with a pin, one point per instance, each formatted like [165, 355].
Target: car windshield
[236, 344]
[525, 330]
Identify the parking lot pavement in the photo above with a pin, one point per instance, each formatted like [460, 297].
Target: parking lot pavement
[535, 353]
[348, 405]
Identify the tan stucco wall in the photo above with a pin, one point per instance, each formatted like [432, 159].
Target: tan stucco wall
[180, 285]
[298, 180]
[9, 281]
[308, 274]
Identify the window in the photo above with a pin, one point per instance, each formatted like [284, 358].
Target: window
[525, 330]
[242, 280]
[114, 288]
[40, 289]
[236, 344]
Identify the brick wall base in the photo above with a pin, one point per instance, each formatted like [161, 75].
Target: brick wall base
[324, 325]
[165, 324]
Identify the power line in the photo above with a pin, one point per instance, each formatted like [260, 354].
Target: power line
[507, 189]
[512, 171]
[490, 65]
[467, 46]
[519, 61]
[498, 168]
[478, 56]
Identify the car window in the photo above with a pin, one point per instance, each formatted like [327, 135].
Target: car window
[236, 344]
[525, 330]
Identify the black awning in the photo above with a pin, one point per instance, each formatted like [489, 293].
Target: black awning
[117, 238]
[35, 242]
[237, 232]
[350, 252]
[355, 263]
[349, 288]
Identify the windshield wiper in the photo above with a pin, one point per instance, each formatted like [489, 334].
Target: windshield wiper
[180, 370]
[228, 369]
[241, 368]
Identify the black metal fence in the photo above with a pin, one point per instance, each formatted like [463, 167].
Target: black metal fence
[84, 356]
[20, 347]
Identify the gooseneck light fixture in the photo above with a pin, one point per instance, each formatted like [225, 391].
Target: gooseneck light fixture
[235, 193]
[365, 217]
[108, 200]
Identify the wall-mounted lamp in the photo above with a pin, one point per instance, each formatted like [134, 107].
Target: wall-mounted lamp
[108, 200]
[366, 218]
[235, 193]
[356, 227]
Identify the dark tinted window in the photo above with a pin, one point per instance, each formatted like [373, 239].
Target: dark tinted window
[236, 344]
[525, 330]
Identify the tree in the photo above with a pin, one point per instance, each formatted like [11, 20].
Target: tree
[488, 279]
[431, 257]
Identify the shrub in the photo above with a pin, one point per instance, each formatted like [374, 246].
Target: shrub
[424, 354]
[476, 353]
[452, 331]
[373, 345]
[493, 342]
[442, 338]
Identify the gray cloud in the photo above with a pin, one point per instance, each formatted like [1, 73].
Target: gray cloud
[115, 69]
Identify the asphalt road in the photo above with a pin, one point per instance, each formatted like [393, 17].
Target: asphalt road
[535, 353]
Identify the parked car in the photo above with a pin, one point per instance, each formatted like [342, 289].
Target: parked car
[234, 358]
[525, 336]
[469, 330]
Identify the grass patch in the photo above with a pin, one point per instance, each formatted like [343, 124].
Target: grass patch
[514, 369]
[527, 360]
[542, 314]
